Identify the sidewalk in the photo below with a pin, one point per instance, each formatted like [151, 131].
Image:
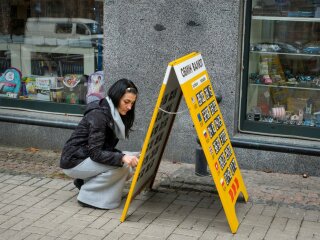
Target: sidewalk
[41, 204]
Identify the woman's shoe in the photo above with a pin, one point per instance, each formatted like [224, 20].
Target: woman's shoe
[78, 183]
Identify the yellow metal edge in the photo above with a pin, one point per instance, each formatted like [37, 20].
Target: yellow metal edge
[143, 152]
[184, 58]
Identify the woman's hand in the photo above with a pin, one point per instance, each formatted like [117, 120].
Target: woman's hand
[131, 161]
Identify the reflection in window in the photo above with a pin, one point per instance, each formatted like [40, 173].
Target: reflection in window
[64, 28]
[49, 43]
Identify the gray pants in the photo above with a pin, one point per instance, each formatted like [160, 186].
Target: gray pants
[103, 184]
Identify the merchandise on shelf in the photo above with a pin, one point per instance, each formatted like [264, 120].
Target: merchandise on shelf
[43, 85]
[75, 88]
[276, 47]
[10, 83]
[28, 89]
[96, 87]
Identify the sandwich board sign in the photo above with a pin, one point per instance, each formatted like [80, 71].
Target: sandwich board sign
[187, 76]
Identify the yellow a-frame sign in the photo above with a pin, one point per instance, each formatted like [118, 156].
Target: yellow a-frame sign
[187, 76]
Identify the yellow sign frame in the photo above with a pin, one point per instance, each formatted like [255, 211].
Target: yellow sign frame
[187, 76]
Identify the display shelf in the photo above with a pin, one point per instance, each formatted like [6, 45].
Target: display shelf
[285, 53]
[287, 19]
[287, 87]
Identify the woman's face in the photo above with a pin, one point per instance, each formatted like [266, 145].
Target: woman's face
[126, 102]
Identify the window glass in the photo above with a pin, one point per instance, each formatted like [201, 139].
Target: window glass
[282, 73]
[63, 28]
[48, 49]
[81, 29]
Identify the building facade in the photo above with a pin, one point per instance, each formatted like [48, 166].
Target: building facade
[246, 50]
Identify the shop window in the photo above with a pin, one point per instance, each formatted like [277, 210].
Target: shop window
[48, 49]
[281, 77]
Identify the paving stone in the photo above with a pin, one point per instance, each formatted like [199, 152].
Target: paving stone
[4, 187]
[56, 184]
[11, 222]
[31, 181]
[257, 220]
[313, 227]
[93, 232]
[47, 192]
[270, 210]
[5, 176]
[167, 221]
[8, 198]
[163, 197]
[175, 236]
[4, 218]
[218, 227]
[201, 224]
[27, 201]
[47, 238]
[72, 231]
[112, 224]
[188, 222]
[16, 210]
[62, 195]
[33, 236]
[293, 226]
[276, 234]
[209, 234]
[21, 190]
[126, 229]
[136, 216]
[22, 224]
[148, 217]
[128, 236]
[158, 231]
[41, 182]
[21, 235]
[279, 223]
[203, 213]
[258, 232]
[13, 234]
[245, 230]
[114, 236]
[131, 224]
[256, 209]
[312, 216]
[7, 208]
[59, 230]
[99, 222]
[188, 232]
[154, 208]
[290, 212]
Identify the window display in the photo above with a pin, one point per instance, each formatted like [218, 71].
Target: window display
[282, 68]
[53, 46]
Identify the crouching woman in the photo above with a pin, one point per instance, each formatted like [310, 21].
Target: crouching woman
[90, 157]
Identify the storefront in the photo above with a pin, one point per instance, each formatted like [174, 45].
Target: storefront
[48, 49]
[281, 76]
[262, 57]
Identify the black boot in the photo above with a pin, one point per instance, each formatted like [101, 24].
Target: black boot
[78, 183]
[82, 204]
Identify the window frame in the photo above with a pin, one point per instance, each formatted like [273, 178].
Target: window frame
[256, 127]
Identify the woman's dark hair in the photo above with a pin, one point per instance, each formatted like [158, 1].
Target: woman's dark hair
[115, 93]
